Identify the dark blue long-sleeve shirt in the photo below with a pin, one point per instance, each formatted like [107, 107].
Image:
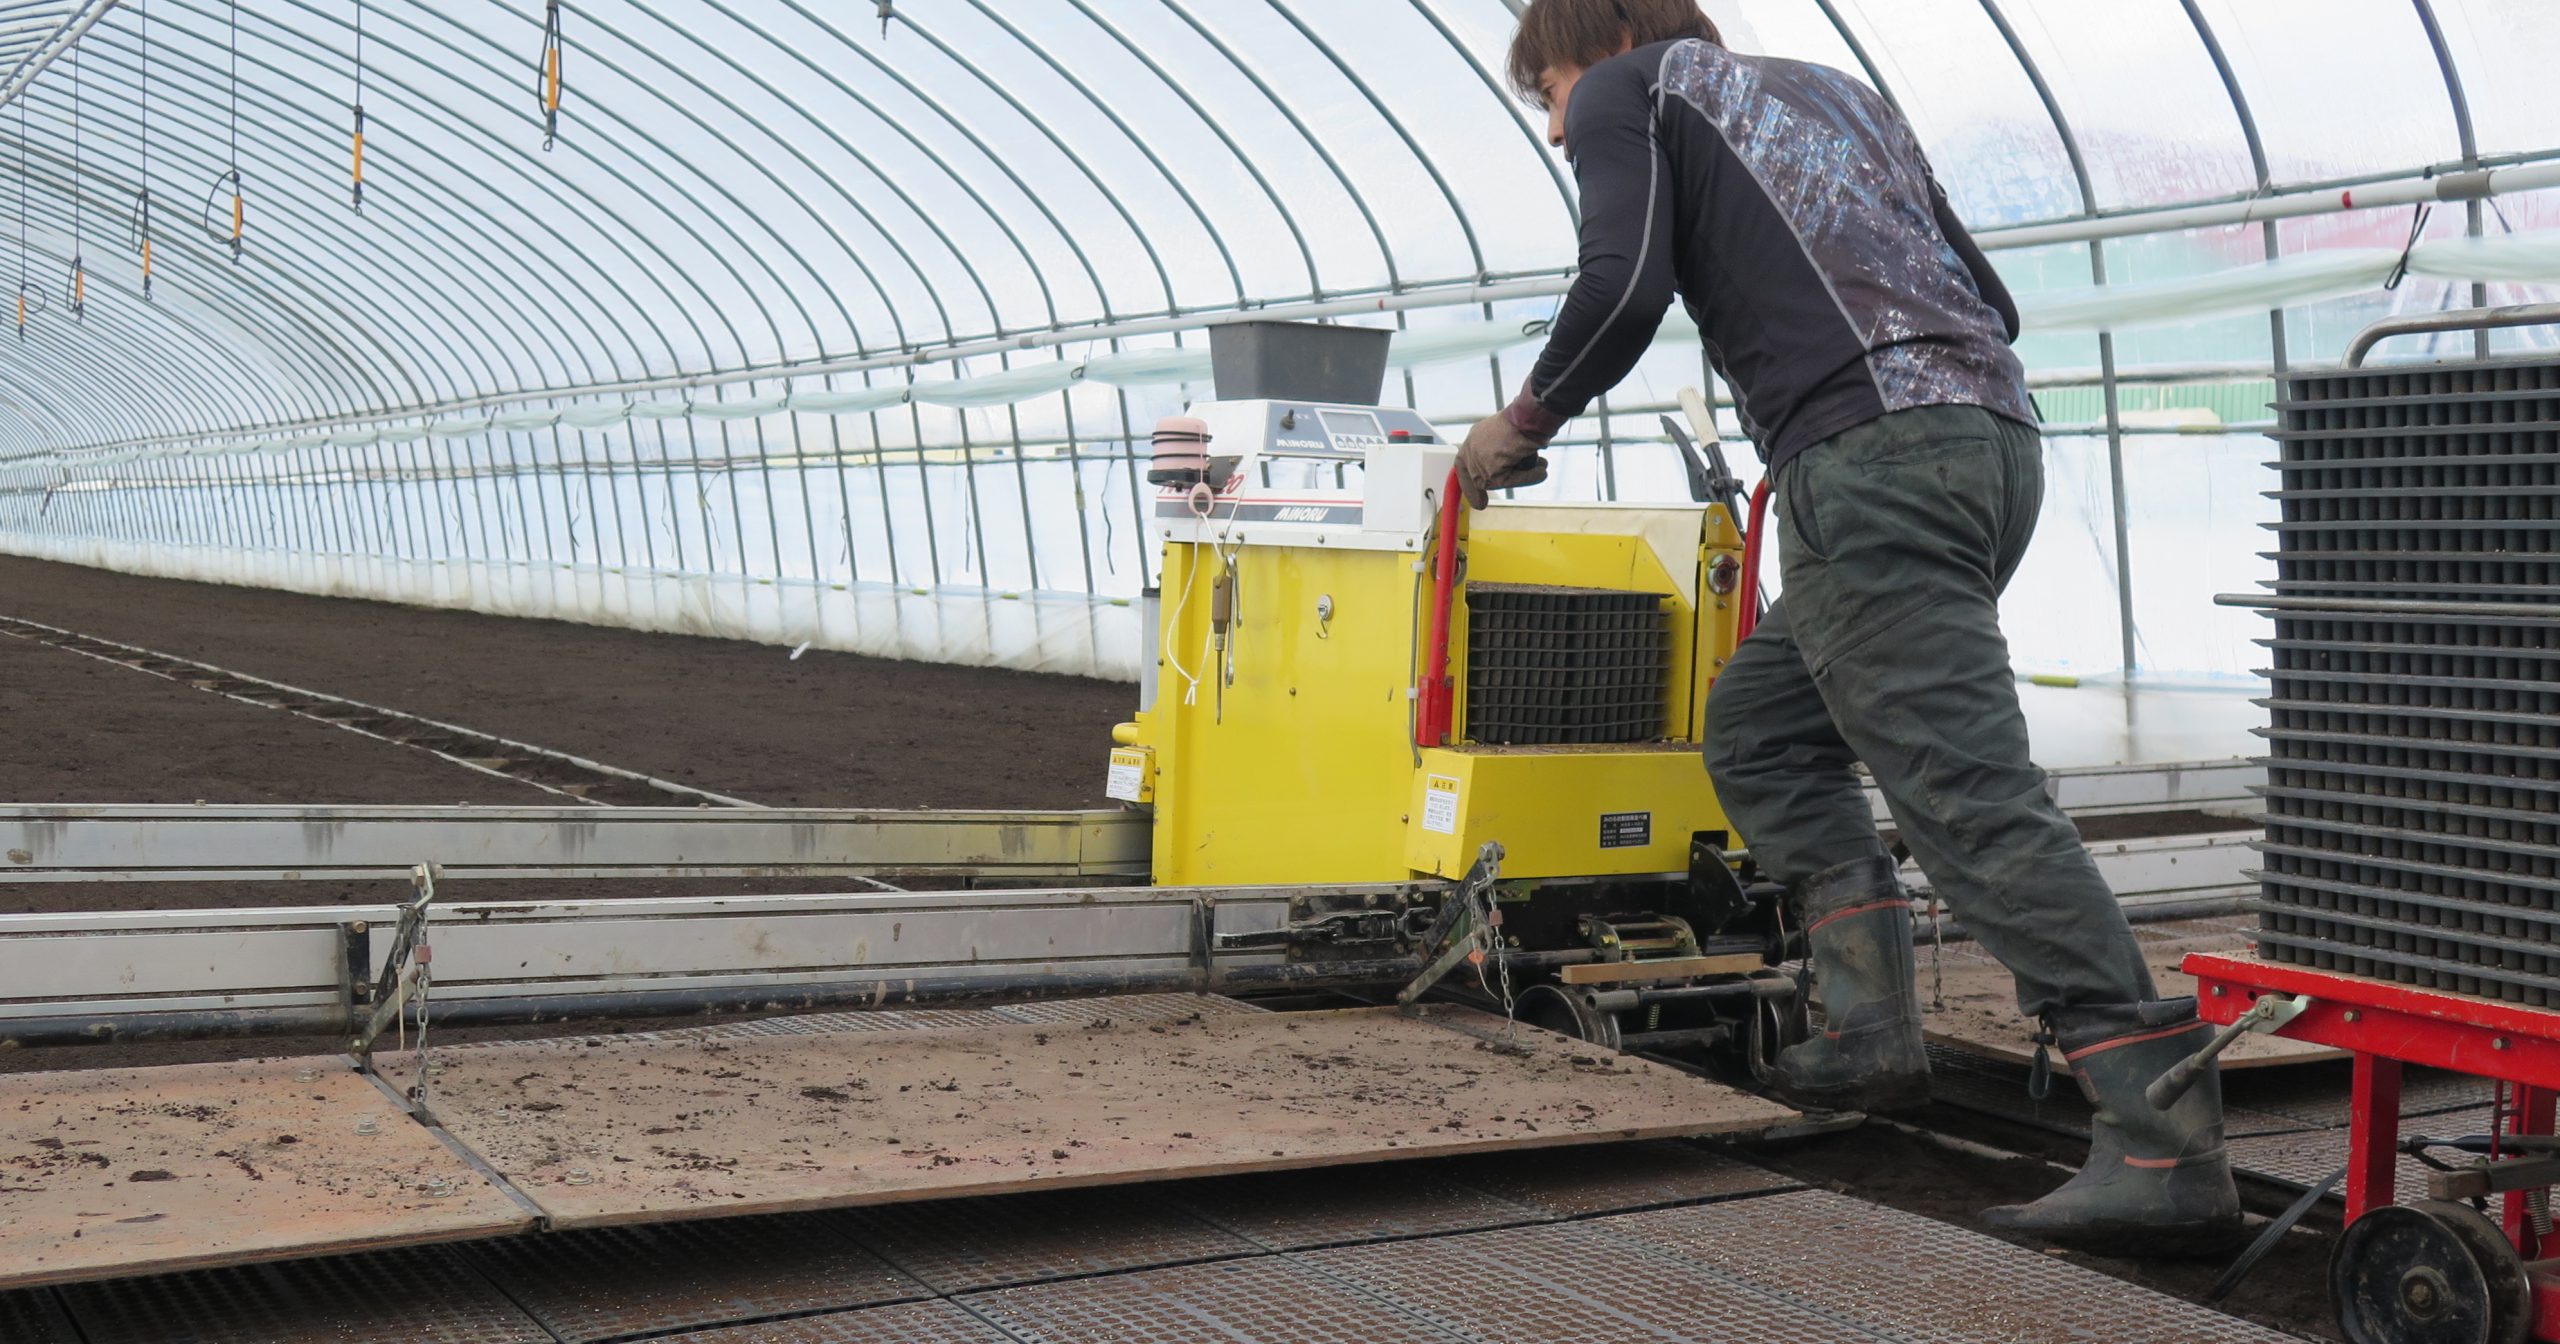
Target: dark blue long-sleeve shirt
[1793, 212]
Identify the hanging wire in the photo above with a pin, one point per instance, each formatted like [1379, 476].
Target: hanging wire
[359, 119]
[230, 177]
[76, 286]
[546, 75]
[140, 228]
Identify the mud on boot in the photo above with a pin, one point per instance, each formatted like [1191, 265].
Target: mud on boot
[2157, 1182]
[1869, 1055]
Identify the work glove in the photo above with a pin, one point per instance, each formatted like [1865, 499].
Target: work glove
[1496, 456]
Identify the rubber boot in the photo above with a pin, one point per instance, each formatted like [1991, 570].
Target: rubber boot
[2157, 1182]
[1868, 1057]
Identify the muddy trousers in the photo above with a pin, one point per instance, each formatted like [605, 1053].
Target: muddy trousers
[1895, 540]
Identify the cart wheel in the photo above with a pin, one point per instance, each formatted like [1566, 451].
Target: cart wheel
[1566, 1013]
[2431, 1272]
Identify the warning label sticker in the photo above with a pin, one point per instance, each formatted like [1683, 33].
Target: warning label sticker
[1626, 830]
[1440, 805]
[1128, 779]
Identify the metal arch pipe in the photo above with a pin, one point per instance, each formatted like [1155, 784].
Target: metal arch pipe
[2106, 340]
[650, 165]
[1216, 236]
[1866, 62]
[2257, 155]
[73, 27]
[330, 374]
[933, 291]
[335, 357]
[179, 90]
[1538, 147]
[316, 373]
[654, 267]
[1466, 226]
[178, 100]
[1315, 143]
[1155, 258]
[1252, 168]
[1065, 236]
[890, 180]
[458, 271]
[817, 277]
[135, 392]
[2470, 144]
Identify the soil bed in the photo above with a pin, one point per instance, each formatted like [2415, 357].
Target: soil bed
[748, 720]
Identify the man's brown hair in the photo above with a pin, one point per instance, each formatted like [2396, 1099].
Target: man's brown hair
[1587, 32]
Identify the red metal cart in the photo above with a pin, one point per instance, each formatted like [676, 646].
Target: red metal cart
[2435, 1270]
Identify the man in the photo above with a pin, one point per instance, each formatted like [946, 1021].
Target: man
[1866, 341]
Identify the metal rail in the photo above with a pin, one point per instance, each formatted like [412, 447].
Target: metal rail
[167, 843]
[70, 978]
[2460, 319]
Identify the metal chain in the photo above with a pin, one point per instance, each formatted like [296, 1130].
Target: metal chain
[1486, 915]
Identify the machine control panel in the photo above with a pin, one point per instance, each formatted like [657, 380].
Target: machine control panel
[1312, 474]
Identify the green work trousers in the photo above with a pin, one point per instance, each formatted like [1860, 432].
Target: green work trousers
[1895, 540]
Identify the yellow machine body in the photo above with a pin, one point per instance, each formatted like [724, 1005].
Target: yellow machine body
[1281, 750]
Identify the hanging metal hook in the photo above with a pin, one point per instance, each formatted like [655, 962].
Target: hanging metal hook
[546, 75]
[237, 238]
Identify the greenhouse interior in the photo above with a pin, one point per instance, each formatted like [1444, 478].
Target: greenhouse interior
[1078, 670]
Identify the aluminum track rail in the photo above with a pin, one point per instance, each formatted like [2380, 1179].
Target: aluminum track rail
[175, 843]
[68, 978]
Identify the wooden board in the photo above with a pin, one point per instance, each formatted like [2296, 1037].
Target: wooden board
[607, 1131]
[1981, 999]
[1664, 968]
[111, 1172]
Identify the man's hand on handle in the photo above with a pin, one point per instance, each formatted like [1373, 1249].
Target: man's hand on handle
[1497, 456]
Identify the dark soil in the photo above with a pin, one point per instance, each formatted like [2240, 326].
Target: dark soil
[2287, 1291]
[78, 730]
[748, 720]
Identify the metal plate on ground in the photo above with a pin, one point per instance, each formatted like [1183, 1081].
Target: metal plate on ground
[617, 1282]
[1610, 1178]
[1233, 1300]
[1914, 1278]
[709, 1128]
[1980, 1012]
[963, 1245]
[1124, 1008]
[424, 1296]
[905, 1323]
[1295, 1210]
[1567, 1282]
[137, 1171]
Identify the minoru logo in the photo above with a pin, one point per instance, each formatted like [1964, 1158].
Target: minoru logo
[1298, 515]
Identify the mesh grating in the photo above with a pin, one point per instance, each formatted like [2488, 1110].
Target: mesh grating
[33, 1318]
[905, 1323]
[1565, 666]
[1611, 1178]
[1571, 1282]
[1909, 1277]
[2413, 780]
[425, 1296]
[617, 1282]
[1340, 1205]
[1231, 1301]
[2300, 1161]
[962, 1245]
